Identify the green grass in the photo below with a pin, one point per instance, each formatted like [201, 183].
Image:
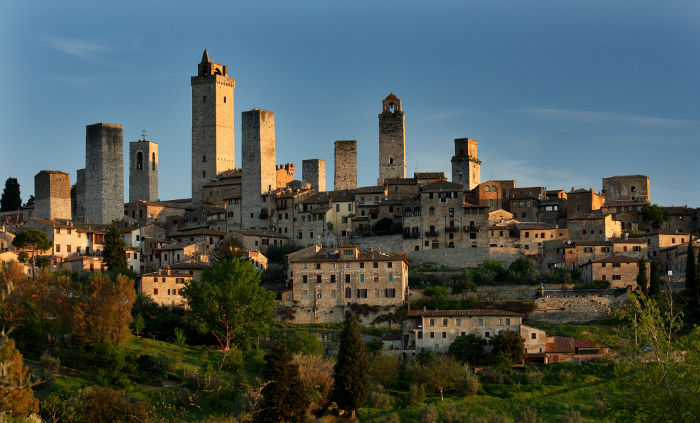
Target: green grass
[600, 331]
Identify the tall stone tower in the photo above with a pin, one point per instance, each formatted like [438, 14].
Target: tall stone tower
[259, 173]
[392, 140]
[345, 165]
[52, 195]
[104, 173]
[143, 170]
[313, 171]
[79, 206]
[213, 138]
[466, 166]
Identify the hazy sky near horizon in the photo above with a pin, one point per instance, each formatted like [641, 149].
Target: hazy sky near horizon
[558, 93]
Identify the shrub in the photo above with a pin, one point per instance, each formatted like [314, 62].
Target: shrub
[533, 377]
[416, 394]
[180, 339]
[450, 414]
[525, 414]
[384, 369]
[377, 398]
[155, 367]
[494, 376]
[316, 375]
[571, 416]
[468, 384]
[436, 291]
[392, 418]
[428, 414]
[98, 404]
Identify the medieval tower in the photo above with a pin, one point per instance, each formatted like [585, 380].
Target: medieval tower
[259, 173]
[392, 140]
[52, 194]
[345, 165]
[143, 170]
[466, 166]
[104, 173]
[313, 171]
[213, 138]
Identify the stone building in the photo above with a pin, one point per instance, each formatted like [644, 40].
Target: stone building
[259, 174]
[345, 163]
[466, 166]
[104, 173]
[593, 227]
[52, 195]
[581, 202]
[164, 286]
[313, 171]
[284, 174]
[627, 187]
[489, 194]
[620, 270]
[143, 171]
[325, 281]
[392, 140]
[213, 135]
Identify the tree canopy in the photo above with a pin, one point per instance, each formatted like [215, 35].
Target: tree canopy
[32, 241]
[230, 304]
[642, 280]
[283, 397]
[468, 348]
[510, 343]
[655, 215]
[11, 199]
[114, 252]
[351, 379]
[230, 248]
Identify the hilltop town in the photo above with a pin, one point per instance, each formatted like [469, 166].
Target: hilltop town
[422, 259]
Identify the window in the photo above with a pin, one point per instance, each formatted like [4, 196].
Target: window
[507, 322]
[153, 161]
[305, 294]
[444, 335]
[533, 336]
[68, 247]
[318, 278]
[204, 99]
[389, 264]
[318, 266]
[432, 322]
[361, 293]
[390, 277]
[348, 293]
[444, 322]
[347, 278]
[487, 334]
[204, 158]
[362, 278]
[431, 211]
[58, 248]
[319, 294]
[304, 279]
[481, 322]
[224, 99]
[204, 174]
[332, 278]
[362, 265]
[432, 334]
[617, 277]
[458, 322]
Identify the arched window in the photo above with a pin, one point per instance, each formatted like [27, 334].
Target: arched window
[204, 174]
[139, 160]
[153, 161]
[407, 212]
[391, 107]
[432, 211]
[416, 211]
[204, 158]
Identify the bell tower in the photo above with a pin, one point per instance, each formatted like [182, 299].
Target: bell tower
[392, 140]
[213, 136]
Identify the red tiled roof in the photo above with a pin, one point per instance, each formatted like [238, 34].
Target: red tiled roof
[468, 313]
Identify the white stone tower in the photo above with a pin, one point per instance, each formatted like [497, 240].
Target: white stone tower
[213, 138]
[392, 140]
[143, 170]
[259, 173]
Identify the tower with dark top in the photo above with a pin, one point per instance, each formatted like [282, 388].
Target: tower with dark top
[466, 166]
[213, 139]
[392, 140]
[104, 173]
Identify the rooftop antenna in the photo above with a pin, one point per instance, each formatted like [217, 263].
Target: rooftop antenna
[143, 134]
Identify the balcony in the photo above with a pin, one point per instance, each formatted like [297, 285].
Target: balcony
[432, 233]
[471, 228]
[451, 229]
[411, 235]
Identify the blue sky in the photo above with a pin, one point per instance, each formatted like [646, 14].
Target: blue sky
[558, 93]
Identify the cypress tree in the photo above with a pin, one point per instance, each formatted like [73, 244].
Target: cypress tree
[351, 384]
[10, 199]
[642, 275]
[691, 277]
[283, 398]
[114, 252]
[654, 280]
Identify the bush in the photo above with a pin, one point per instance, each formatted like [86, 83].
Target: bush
[467, 384]
[450, 414]
[155, 367]
[525, 414]
[416, 394]
[533, 377]
[436, 292]
[428, 414]
[392, 418]
[377, 398]
[96, 405]
[571, 416]
[493, 376]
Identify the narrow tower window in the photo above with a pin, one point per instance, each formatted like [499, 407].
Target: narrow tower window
[204, 174]
[224, 99]
[391, 160]
[204, 99]
[139, 160]
[153, 161]
[204, 158]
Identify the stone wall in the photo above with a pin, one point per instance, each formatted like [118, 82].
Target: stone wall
[259, 172]
[575, 309]
[345, 164]
[313, 171]
[52, 195]
[104, 173]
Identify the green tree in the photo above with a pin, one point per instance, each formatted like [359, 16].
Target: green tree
[283, 396]
[468, 348]
[30, 202]
[350, 372]
[510, 343]
[114, 252]
[386, 226]
[230, 248]
[691, 277]
[654, 280]
[439, 292]
[11, 199]
[642, 280]
[442, 373]
[33, 241]
[230, 304]
[655, 215]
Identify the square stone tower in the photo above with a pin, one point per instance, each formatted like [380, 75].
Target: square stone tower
[213, 137]
[392, 140]
[104, 173]
[313, 171]
[143, 170]
[345, 165]
[52, 195]
[466, 166]
[259, 173]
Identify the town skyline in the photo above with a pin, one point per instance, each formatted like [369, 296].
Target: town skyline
[139, 81]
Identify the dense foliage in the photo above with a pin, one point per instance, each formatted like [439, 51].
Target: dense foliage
[350, 373]
[283, 397]
[11, 198]
[114, 251]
